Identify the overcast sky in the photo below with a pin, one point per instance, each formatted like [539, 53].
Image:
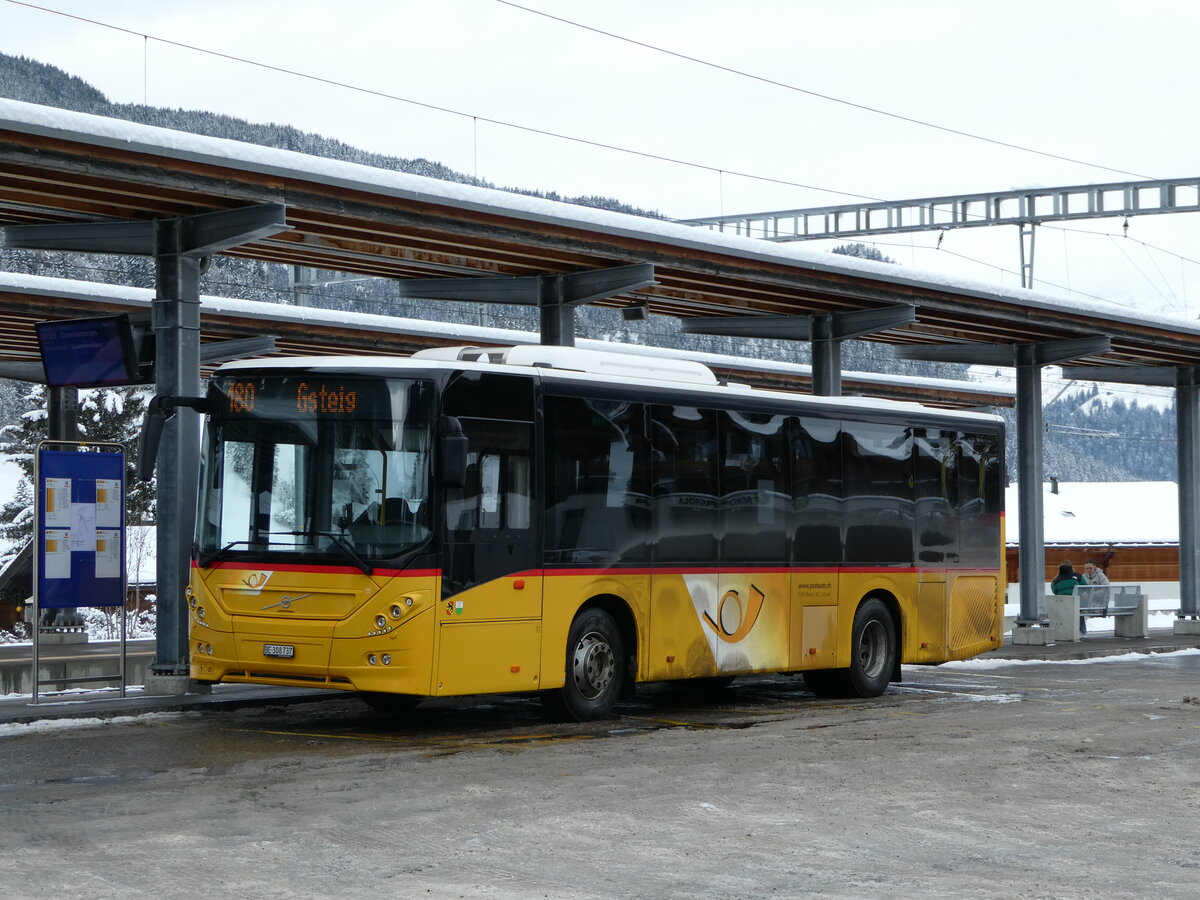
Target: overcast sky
[1109, 83]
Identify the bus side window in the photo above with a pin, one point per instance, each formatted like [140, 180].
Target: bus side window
[497, 495]
[597, 483]
[979, 503]
[755, 497]
[935, 458]
[816, 463]
[686, 483]
[878, 467]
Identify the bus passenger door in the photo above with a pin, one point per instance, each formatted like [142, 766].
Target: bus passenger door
[490, 634]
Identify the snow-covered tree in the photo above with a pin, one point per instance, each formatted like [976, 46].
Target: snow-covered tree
[18, 443]
[105, 414]
[863, 251]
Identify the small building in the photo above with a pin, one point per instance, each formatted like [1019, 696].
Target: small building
[1131, 530]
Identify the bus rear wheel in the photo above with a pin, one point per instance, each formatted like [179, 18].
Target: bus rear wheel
[596, 668]
[872, 657]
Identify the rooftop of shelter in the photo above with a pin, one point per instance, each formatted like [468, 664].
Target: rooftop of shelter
[65, 167]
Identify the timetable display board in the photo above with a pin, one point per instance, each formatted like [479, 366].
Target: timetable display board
[81, 528]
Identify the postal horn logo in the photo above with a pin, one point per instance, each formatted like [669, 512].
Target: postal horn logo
[256, 581]
[735, 619]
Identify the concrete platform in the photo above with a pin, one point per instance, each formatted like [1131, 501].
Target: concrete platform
[1161, 640]
[107, 704]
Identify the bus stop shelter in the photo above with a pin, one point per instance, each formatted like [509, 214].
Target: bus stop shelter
[74, 182]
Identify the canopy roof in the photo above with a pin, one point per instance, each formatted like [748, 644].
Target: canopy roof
[62, 166]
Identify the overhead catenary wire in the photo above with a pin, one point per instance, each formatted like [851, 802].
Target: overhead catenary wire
[720, 170]
[475, 119]
[816, 94]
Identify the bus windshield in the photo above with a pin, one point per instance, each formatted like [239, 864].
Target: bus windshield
[317, 467]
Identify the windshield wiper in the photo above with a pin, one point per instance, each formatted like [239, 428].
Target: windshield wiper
[348, 550]
[340, 541]
[213, 555]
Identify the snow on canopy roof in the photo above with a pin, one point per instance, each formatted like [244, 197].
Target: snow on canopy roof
[79, 127]
[1102, 512]
[467, 334]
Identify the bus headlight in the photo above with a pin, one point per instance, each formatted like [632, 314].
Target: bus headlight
[380, 621]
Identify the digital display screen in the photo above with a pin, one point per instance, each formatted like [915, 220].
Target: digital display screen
[291, 397]
[88, 352]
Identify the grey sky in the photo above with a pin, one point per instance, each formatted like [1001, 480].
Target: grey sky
[1104, 82]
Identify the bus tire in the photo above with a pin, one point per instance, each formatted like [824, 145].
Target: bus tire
[596, 669]
[390, 703]
[873, 649]
[872, 657]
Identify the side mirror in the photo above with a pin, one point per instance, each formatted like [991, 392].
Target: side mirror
[158, 410]
[148, 441]
[452, 454]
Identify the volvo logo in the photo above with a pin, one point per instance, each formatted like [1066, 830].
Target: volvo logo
[286, 602]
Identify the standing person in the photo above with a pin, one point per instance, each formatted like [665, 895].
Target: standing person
[1094, 575]
[1065, 583]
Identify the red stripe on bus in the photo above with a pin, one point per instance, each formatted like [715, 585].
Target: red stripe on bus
[330, 570]
[728, 570]
[879, 570]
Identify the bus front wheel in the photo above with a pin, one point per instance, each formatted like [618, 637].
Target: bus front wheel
[595, 668]
[872, 657]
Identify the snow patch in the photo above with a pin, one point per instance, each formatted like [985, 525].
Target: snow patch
[992, 663]
[41, 726]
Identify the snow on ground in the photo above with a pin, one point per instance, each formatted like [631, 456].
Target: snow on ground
[995, 663]
[41, 726]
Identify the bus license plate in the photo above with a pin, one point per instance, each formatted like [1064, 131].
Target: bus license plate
[283, 651]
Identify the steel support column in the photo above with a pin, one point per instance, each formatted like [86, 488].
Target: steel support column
[62, 413]
[175, 318]
[826, 358]
[557, 318]
[1032, 553]
[1187, 436]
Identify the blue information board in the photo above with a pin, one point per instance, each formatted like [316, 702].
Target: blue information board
[81, 529]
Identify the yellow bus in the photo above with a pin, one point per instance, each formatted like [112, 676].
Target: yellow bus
[575, 522]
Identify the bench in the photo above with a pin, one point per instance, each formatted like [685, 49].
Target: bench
[1125, 603]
